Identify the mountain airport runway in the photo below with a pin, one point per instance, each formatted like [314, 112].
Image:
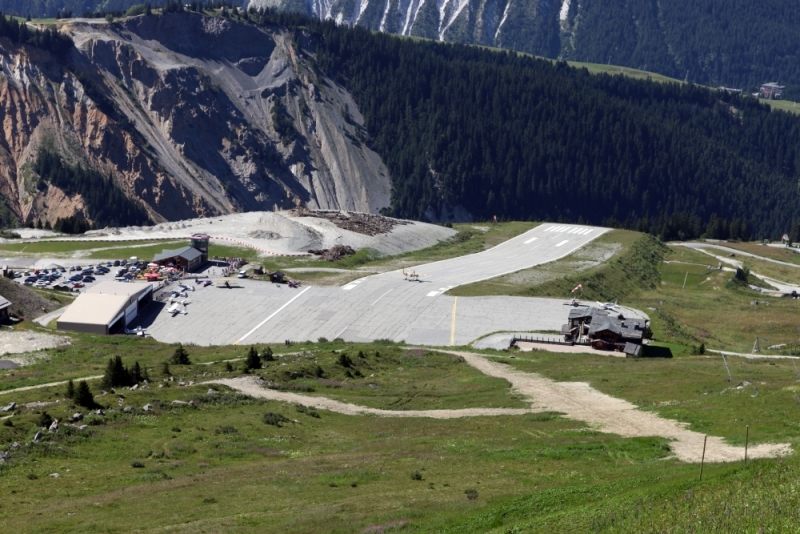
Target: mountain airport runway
[382, 306]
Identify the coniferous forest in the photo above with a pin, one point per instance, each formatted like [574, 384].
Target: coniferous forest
[106, 203]
[523, 138]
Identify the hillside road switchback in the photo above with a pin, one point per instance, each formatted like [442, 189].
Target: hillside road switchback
[382, 306]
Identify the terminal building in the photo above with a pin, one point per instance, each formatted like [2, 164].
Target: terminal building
[107, 308]
[187, 258]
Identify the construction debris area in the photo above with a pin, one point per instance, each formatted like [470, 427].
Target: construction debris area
[362, 223]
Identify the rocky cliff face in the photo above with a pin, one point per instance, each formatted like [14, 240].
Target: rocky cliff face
[194, 116]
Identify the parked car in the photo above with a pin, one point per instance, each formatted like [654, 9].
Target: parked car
[78, 284]
[116, 263]
[88, 279]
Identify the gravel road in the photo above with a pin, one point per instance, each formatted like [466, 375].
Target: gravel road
[577, 400]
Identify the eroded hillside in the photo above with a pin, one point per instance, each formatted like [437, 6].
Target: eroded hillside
[190, 115]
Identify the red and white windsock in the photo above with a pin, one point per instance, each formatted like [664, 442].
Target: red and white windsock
[579, 286]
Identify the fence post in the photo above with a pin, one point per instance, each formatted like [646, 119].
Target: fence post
[703, 458]
[746, 439]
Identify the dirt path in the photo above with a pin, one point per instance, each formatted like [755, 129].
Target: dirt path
[253, 386]
[577, 400]
[51, 384]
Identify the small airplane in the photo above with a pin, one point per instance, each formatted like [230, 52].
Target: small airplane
[176, 308]
[138, 331]
[608, 305]
[573, 302]
[186, 288]
[412, 276]
[176, 294]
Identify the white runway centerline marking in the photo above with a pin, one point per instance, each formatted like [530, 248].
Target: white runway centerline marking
[276, 312]
[531, 240]
[379, 298]
[563, 242]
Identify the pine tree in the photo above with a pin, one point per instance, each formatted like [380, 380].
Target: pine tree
[268, 357]
[180, 356]
[70, 393]
[136, 373]
[252, 361]
[83, 395]
[165, 369]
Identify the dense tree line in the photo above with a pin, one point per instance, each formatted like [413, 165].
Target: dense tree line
[51, 39]
[523, 138]
[106, 203]
[736, 43]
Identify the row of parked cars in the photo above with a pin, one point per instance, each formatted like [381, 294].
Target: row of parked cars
[77, 276]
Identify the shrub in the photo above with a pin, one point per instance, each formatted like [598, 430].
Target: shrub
[267, 356]
[180, 356]
[228, 367]
[165, 369]
[274, 419]
[45, 420]
[306, 410]
[137, 464]
[176, 429]
[361, 354]
[32, 476]
[70, 393]
[319, 372]
[344, 360]
[322, 340]
[471, 494]
[416, 475]
[8, 422]
[227, 429]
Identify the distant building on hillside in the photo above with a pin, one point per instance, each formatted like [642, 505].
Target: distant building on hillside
[771, 91]
[730, 90]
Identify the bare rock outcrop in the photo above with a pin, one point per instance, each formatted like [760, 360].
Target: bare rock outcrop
[193, 116]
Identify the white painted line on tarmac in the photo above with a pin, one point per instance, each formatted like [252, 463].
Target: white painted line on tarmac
[456, 270]
[531, 240]
[379, 298]
[486, 263]
[433, 293]
[563, 242]
[340, 333]
[276, 312]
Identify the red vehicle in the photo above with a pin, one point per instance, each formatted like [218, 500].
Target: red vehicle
[78, 284]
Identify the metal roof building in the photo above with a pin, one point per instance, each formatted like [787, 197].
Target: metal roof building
[106, 308]
[187, 257]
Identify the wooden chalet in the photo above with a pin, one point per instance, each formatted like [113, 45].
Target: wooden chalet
[605, 330]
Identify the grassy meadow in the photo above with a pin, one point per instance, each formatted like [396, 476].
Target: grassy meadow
[232, 463]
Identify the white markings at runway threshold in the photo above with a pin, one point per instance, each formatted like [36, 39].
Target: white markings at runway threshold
[563, 243]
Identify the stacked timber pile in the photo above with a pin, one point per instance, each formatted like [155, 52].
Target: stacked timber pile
[362, 223]
[336, 253]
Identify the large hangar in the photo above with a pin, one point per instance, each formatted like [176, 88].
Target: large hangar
[106, 308]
